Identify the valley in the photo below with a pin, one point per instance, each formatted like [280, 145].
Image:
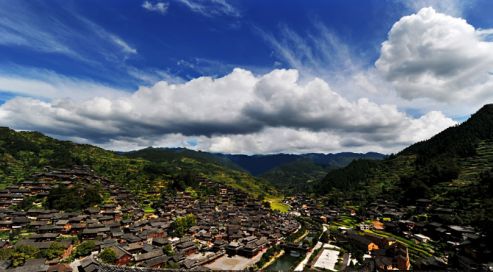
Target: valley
[81, 208]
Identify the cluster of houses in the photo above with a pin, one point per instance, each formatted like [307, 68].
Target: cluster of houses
[228, 221]
[425, 222]
[384, 253]
[422, 222]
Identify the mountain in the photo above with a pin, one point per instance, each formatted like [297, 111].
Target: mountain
[25, 153]
[260, 164]
[300, 174]
[202, 164]
[292, 172]
[453, 169]
[288, 172]
[165, 154]
[295, 176]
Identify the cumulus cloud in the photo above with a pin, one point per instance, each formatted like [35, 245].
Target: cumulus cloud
[440, 57]
[240, 113]
[159, 7]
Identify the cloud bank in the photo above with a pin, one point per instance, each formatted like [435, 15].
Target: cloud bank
[239, 113]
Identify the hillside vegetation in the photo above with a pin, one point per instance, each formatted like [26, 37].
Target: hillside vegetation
[453, 169]
[25, 153]
[294, 172]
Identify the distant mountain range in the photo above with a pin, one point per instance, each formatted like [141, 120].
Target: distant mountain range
[296, 172]
[260, 164]
[287, 172]
[24, 153]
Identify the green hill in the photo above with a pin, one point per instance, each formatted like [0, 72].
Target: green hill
[25, 153]
[295, 176]
[202, 164]
[308, 169]
[453, 169]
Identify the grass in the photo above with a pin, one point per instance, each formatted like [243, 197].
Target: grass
[346, 221]
[192, 192]
[149, 209]
[4, 235]
[276, 203]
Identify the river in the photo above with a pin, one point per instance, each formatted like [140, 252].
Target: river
[284, 263]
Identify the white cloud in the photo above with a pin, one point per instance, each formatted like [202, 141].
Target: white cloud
[159, 7]
[314, 53]
[211, 8]
[77, 38]
[124, 46]
[48, 85]
[436, 56]
[21, 26]
[240, 113]
[330, 102]
[450, 7]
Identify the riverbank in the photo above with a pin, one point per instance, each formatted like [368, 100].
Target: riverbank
[307, 257]
[301, 237]
[273, 259]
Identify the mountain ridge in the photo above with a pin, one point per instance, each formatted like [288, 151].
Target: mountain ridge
[287, 172]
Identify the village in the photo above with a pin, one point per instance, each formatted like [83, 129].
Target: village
[387, 236]
[230, 229]
[224, 229]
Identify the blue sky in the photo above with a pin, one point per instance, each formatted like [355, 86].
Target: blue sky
[181, 42]
[82, 70]
[185, 43]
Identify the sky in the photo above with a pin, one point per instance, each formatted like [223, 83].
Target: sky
[244, 76]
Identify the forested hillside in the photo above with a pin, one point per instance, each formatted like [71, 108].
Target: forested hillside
[295, 172]
[454, 169]
[25, 153]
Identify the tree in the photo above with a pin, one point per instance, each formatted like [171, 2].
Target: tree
[168, 250]
[23, 253]
[92, 196]
[325, 237]
[29, 250]
[108, 256]
[85, 248]
[54, 251]
[181, 224]
[6, 253]
[26, 203]
[73, 199]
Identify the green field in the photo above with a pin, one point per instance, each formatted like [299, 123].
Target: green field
[416, 250]
[346, 221]
[276, 203]
[149, 209]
